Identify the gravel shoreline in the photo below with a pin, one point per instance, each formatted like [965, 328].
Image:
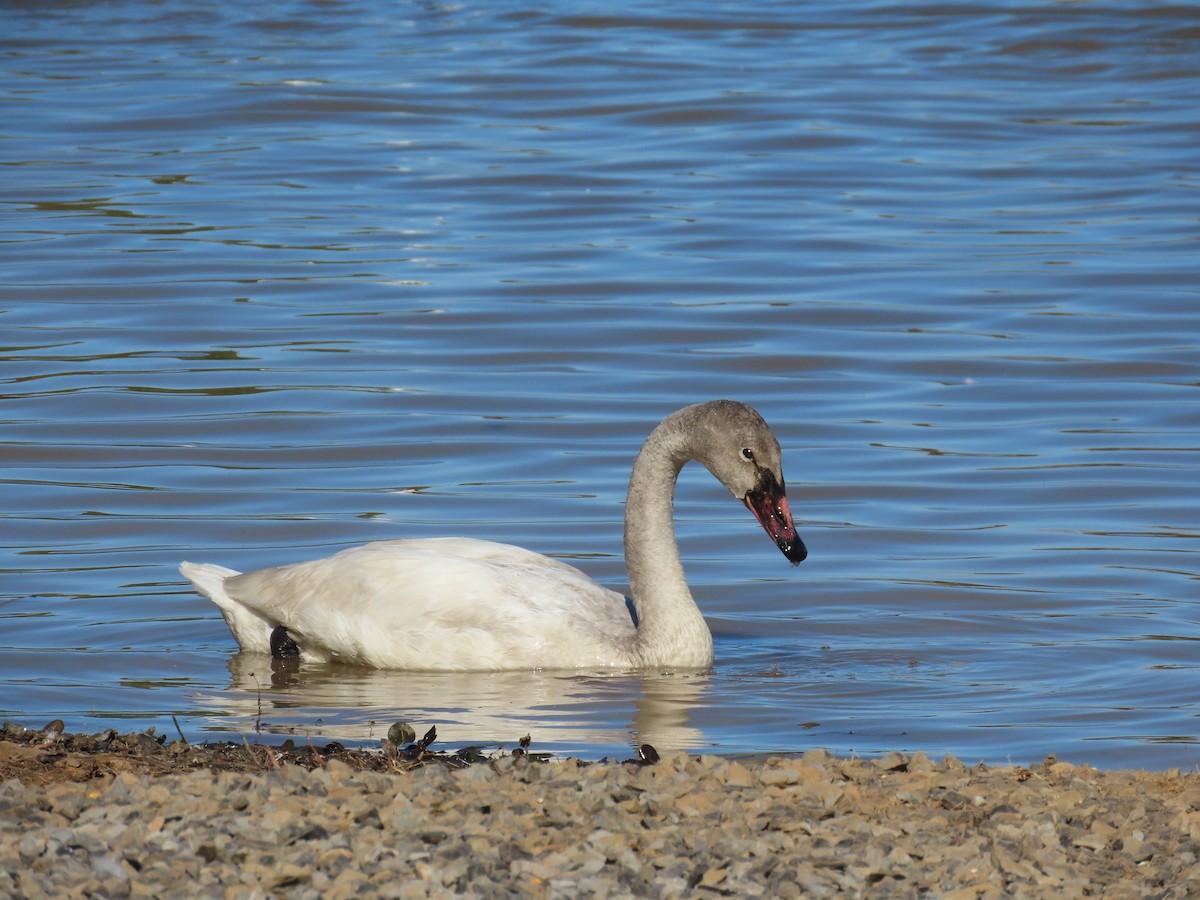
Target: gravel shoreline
[130, 815]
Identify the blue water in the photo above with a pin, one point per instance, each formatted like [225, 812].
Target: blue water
[276, 282]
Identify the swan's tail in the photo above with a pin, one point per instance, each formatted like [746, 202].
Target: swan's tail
[207, 579]
[252, 632]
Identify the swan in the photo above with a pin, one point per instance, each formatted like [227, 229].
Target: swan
[459, 604]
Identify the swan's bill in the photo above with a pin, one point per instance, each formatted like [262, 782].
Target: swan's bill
[770, 506]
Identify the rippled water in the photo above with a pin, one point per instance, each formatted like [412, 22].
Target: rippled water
[279, 282]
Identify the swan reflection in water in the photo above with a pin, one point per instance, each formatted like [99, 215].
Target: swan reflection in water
[569, 711]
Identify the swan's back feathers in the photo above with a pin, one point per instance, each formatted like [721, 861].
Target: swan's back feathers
[437, 603]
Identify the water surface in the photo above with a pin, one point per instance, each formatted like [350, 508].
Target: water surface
[280, 282]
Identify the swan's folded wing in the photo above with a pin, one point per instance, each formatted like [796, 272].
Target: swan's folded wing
[440, 604]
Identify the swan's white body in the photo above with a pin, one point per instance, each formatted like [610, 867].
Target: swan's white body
[434, 604]
[444, 604]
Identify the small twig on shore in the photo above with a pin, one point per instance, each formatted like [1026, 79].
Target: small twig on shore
[317, 756]
[180, 730]
[270, 755]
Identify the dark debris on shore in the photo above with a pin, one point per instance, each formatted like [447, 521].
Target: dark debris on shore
[51, 754]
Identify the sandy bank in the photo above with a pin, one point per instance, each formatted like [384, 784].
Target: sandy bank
[126, 815]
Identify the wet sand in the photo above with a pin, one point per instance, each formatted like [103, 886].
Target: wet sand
[133, 815]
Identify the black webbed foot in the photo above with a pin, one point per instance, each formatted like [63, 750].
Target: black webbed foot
[282, 645]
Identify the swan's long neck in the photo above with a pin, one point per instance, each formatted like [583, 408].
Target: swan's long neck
[671, 631]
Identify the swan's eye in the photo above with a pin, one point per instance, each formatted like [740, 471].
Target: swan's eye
[747, 454]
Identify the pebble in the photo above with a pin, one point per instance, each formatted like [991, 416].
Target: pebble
[812, 825]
